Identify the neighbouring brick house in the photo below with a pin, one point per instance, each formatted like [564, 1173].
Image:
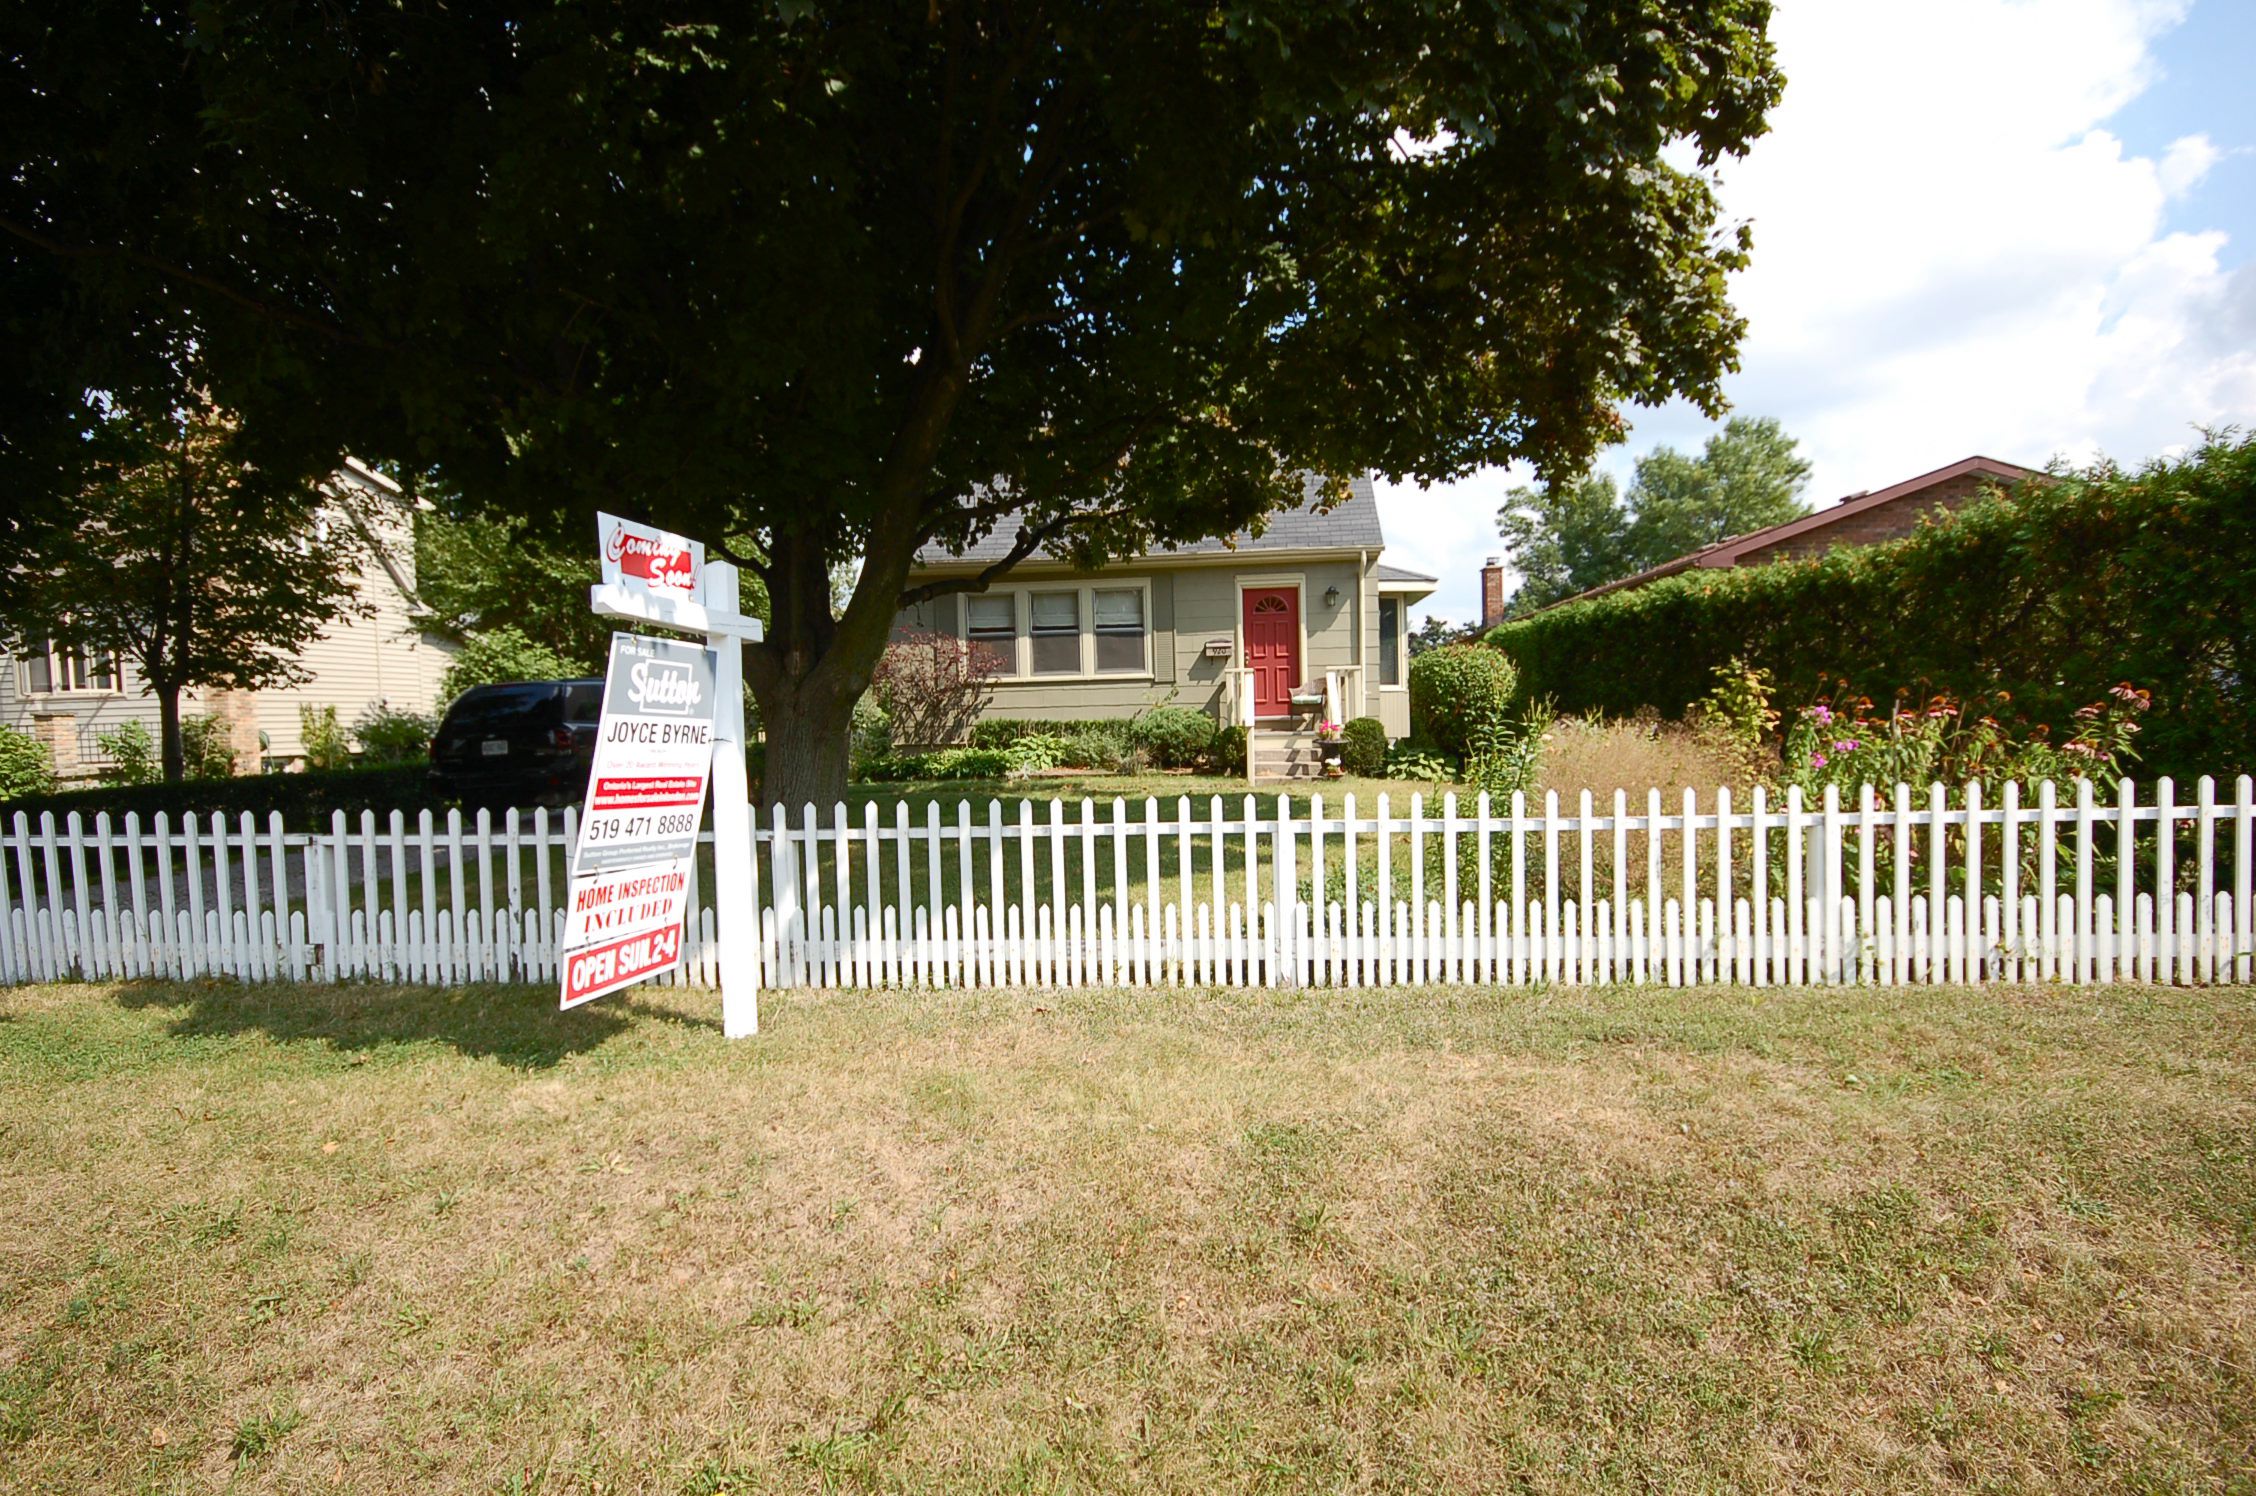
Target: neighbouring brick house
[1860, 519]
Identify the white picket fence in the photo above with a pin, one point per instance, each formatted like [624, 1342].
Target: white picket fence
[1302, 891]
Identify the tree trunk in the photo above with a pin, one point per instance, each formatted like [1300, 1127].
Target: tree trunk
[812, 667]
[168, 733]
[808, 723]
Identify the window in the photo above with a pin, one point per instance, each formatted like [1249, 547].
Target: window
[59, 668]
[1120, 629]
[1390, 641]
[991, 624]
[1056, 631]
[1067, 631]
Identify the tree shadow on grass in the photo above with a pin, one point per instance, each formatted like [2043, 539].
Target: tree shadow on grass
[516, 1025]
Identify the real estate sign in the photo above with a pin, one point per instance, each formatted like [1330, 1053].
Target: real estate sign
[647, 560]
[638, 831]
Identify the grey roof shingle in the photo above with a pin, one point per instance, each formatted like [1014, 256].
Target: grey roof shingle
[1397, 574]
[1353, 525]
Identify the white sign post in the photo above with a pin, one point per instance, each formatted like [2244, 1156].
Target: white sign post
[653, 577]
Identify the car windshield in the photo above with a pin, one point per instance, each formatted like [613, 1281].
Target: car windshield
[492, 708]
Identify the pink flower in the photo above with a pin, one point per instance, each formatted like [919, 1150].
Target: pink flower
[1817, 760]
[1845, 745]
[1822, 712]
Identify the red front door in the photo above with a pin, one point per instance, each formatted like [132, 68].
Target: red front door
[1272, 647]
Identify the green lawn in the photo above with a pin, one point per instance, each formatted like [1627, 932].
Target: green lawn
[385, 1241]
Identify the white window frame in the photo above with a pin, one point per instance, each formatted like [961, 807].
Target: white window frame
[1022, 637]
[54, 657]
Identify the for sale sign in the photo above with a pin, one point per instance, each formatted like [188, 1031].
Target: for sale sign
[638, 833]
[645, 559]
[653, 754]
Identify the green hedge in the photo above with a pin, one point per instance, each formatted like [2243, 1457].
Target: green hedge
[2053, 594]
[1365, 747]
[305, 800]
[1001, 732]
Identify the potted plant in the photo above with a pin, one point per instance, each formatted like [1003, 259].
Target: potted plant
[1329, 745]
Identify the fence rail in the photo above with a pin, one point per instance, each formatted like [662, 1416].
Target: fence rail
[1941, 886]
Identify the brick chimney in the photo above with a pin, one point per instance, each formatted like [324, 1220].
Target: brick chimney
[1492, 592]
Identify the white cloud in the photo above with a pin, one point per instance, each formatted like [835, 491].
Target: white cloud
[1952, 255]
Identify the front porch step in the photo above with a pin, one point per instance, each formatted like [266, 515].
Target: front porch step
[1285, 753]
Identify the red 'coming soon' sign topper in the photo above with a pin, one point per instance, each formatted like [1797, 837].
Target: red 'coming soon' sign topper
[649, 560]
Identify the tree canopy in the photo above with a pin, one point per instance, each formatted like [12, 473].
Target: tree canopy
[855, 279]
[179, 554]
[1582, 531]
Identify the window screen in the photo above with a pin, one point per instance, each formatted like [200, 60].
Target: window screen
[1390, 641]
[1120, 628]
[1056, 627]
[991, 624]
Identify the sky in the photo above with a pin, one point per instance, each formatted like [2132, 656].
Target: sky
[2019, 228]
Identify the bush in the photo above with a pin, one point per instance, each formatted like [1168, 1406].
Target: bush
[1176, 737]
[947, 763]
[390, 736]
[2053, 593]
[326, 746]
[1363, 746]
[870, 734]
[1001, 732]
[491, 657]
[1228, 754]
[1089, 750]
[305, 799]
[1457, 692]
[132, 755]
[26, 767]
[207, 748]
[1030, 754]
[931, 686]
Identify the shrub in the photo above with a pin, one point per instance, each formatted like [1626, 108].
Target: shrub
[207, 747]
[388, 735]
[492, 657]
[931, 686]
[26, 767]
[132, 755]
[304, 799]
[1365, 747]
[871, 733]
[1228, 754]
[2054, 593]
[1001, 732]
[1176, 737]
[945, 763]
[1089, 750]
[326, 746]
[1457, 691]
[1034, 752]
[1408, 760]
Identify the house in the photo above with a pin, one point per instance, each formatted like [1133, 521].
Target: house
[68, 700]
[1860, 519]
[1270, 631]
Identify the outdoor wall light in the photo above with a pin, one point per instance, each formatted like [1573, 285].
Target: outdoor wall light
[1331, 597]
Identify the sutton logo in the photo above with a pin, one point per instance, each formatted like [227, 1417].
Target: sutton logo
[657, 561]
[663, 686]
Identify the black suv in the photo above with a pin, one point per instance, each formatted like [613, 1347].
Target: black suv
[526, 743]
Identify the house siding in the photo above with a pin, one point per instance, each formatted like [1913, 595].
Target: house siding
[1190, 605]
[355, 662]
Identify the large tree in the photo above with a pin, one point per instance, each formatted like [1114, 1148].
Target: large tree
[1582, 531]
[854, 279]
[179, 554]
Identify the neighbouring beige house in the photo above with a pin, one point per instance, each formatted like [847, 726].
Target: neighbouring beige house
[375, 654]
[1277, 631]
